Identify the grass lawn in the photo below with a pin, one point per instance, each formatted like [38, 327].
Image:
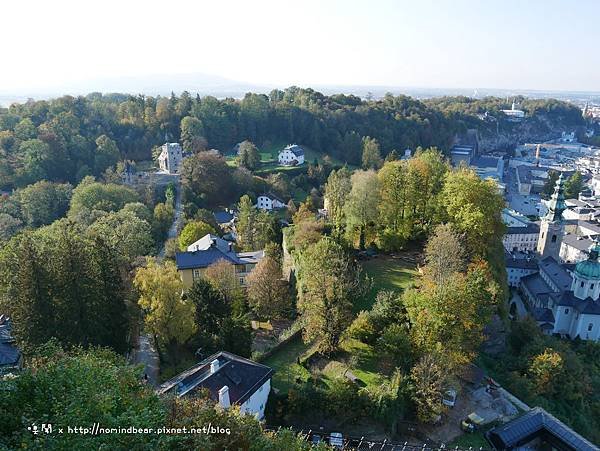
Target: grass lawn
[387, 274]
[269, 163]
[286, 367]
[475, 440]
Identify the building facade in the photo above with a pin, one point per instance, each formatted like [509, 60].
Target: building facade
[269, 201]
[229, 379]
[170, 158]
[291, 155]
[209, 250]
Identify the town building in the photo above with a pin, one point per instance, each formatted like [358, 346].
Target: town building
[537, 429]
[209, 250]
[225, 218]
[521, 234]
[574, 248]
[514, 114]
[170, 158]
[291, 155]
[519, 265]
[552, 227]
[229, 380]
[269, 201]
[11, 359]
[568, 137]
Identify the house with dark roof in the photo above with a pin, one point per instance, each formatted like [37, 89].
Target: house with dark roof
[209, 250]
[229, 379]
[291, 155]
[519, 265]
[11, 358]
[225, 218]
[537, 429]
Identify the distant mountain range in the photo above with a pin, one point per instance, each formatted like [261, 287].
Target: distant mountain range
[205, 84]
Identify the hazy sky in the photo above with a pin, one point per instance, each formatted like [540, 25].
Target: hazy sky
[529, 44]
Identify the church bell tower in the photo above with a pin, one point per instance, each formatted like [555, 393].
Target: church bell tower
[552, 227]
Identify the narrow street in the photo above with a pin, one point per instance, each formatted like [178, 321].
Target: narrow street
[145, 352]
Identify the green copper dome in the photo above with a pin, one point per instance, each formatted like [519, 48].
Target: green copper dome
[590, 268]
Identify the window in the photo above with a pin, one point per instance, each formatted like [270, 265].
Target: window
[591, 286]
[543, 233]
[554, 238]
[196, 273]
[242, 281]
[590, 327]
[566, 311]
[581, 285]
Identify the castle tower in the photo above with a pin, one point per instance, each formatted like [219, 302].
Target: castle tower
[586, 277]
[552, 227]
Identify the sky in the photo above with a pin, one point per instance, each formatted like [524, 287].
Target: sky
[504, 44]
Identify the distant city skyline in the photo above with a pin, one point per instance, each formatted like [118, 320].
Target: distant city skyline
[545, 45]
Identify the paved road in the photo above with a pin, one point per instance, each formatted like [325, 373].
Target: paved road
[146, 354]
[172, 233]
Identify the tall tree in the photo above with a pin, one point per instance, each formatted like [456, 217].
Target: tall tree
[248, 155]
[192, 134]
[371, 155]
[328, 283]
[361, 206]
[337, 191]
[474, 206]
[268, 293]
[444, 254]
[167, 314]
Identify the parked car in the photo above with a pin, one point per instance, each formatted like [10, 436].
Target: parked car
[449, 398]
[316, 439]
[336, 439]
[472, 423]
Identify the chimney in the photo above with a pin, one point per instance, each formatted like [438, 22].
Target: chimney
[224, 397]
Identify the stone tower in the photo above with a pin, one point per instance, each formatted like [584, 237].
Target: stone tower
[552, 227]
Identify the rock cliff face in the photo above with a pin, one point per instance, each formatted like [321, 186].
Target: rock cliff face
[506, 135]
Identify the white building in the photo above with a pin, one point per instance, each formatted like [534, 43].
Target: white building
[292, 155]
[567, 137]
[518, 266]
[229, 379]
[514, 114]
[521, 234]
[170, 158]
[269, 201]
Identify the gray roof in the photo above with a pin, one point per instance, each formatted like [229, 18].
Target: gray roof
[587, 306]
[578, 242]
[203, 259]
[485, 161]
[557, 273]
[543, 315]
[223, 217]
[536, 285]
[295, 149]
[521, 263]
[530, 229]
[242, 376]
[537, 423]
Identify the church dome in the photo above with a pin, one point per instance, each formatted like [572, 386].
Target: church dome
[590, 268]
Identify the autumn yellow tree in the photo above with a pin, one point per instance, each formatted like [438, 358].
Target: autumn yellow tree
[168, 315]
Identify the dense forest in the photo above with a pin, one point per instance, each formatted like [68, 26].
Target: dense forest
[67, 138]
